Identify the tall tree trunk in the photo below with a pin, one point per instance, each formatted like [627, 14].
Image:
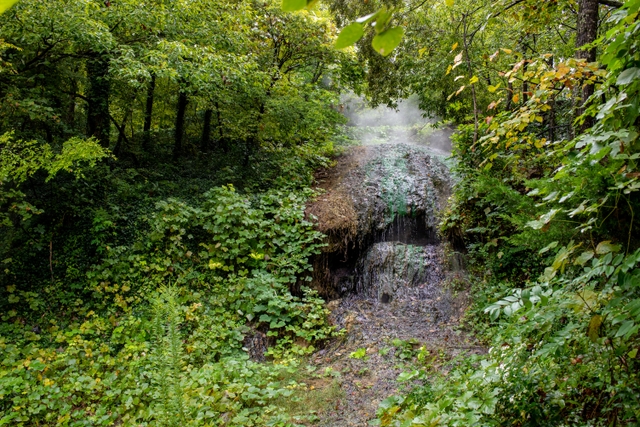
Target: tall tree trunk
[222, 141]
[148, 114]
[525, 84]
[587, 33]
[98, 124]
[182, 108]
[587, 29]
[205, 141]
[70, 116]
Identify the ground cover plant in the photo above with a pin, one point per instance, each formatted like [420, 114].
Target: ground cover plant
[155, 160]
[546, 206]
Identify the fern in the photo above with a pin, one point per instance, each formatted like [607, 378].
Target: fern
[168, 358]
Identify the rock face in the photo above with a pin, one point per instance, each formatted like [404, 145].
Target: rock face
[380, 214]
[389, 267]
[383, 270]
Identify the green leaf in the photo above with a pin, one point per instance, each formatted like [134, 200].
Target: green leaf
[606, 247]
[6, 4]
[382, 18]
[625, 328]
[543, 220]
[583, 258]
[349, 35]
[386, 41]
[293, 5]
[359, 354]
[628, 75]
[548, 247]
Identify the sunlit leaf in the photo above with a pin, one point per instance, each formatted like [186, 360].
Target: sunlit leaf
[449, 2]
[382, 19]
[293, 5]
[349, 35]
[6, 4]
[385, 42]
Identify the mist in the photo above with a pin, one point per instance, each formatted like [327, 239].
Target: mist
[405, 124]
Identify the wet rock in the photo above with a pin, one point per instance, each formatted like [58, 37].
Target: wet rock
[389, 266]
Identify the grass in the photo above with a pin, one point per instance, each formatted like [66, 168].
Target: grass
[311, 399]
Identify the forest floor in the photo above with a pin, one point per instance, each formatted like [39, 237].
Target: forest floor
[420, 328]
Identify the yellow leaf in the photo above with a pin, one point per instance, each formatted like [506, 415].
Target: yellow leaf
[449, 68]
[539, 119]
[492, 89]
[506, 50]
[422, 51]
[449, 2]
[473, 80]
[455, 45]
[6, 4]
[516, 98]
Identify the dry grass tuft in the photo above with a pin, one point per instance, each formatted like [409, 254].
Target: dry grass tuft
[336, 217]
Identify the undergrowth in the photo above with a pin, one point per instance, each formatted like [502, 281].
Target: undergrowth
[550, 233]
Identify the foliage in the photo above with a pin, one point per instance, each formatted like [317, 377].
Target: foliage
[135, 353]
[548, 215]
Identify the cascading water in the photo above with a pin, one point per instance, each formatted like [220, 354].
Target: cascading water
[390, 267]
[395, 193]
[383, 271]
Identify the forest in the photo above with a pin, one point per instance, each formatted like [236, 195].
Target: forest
[166, 258]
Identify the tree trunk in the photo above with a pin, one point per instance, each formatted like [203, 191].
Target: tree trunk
[148, 114]
[525, 84]
[98, 124]
[205, 141]
[222, 141]
[587, 33]
[587, 29]
[182, 108]
[70, 116]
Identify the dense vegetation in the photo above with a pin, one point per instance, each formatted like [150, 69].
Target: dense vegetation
[154, 165]
[546, 206]
[155, 162]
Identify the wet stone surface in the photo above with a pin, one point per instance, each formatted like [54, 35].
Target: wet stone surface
[420, 316]
[390, 267]
[384, 272]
